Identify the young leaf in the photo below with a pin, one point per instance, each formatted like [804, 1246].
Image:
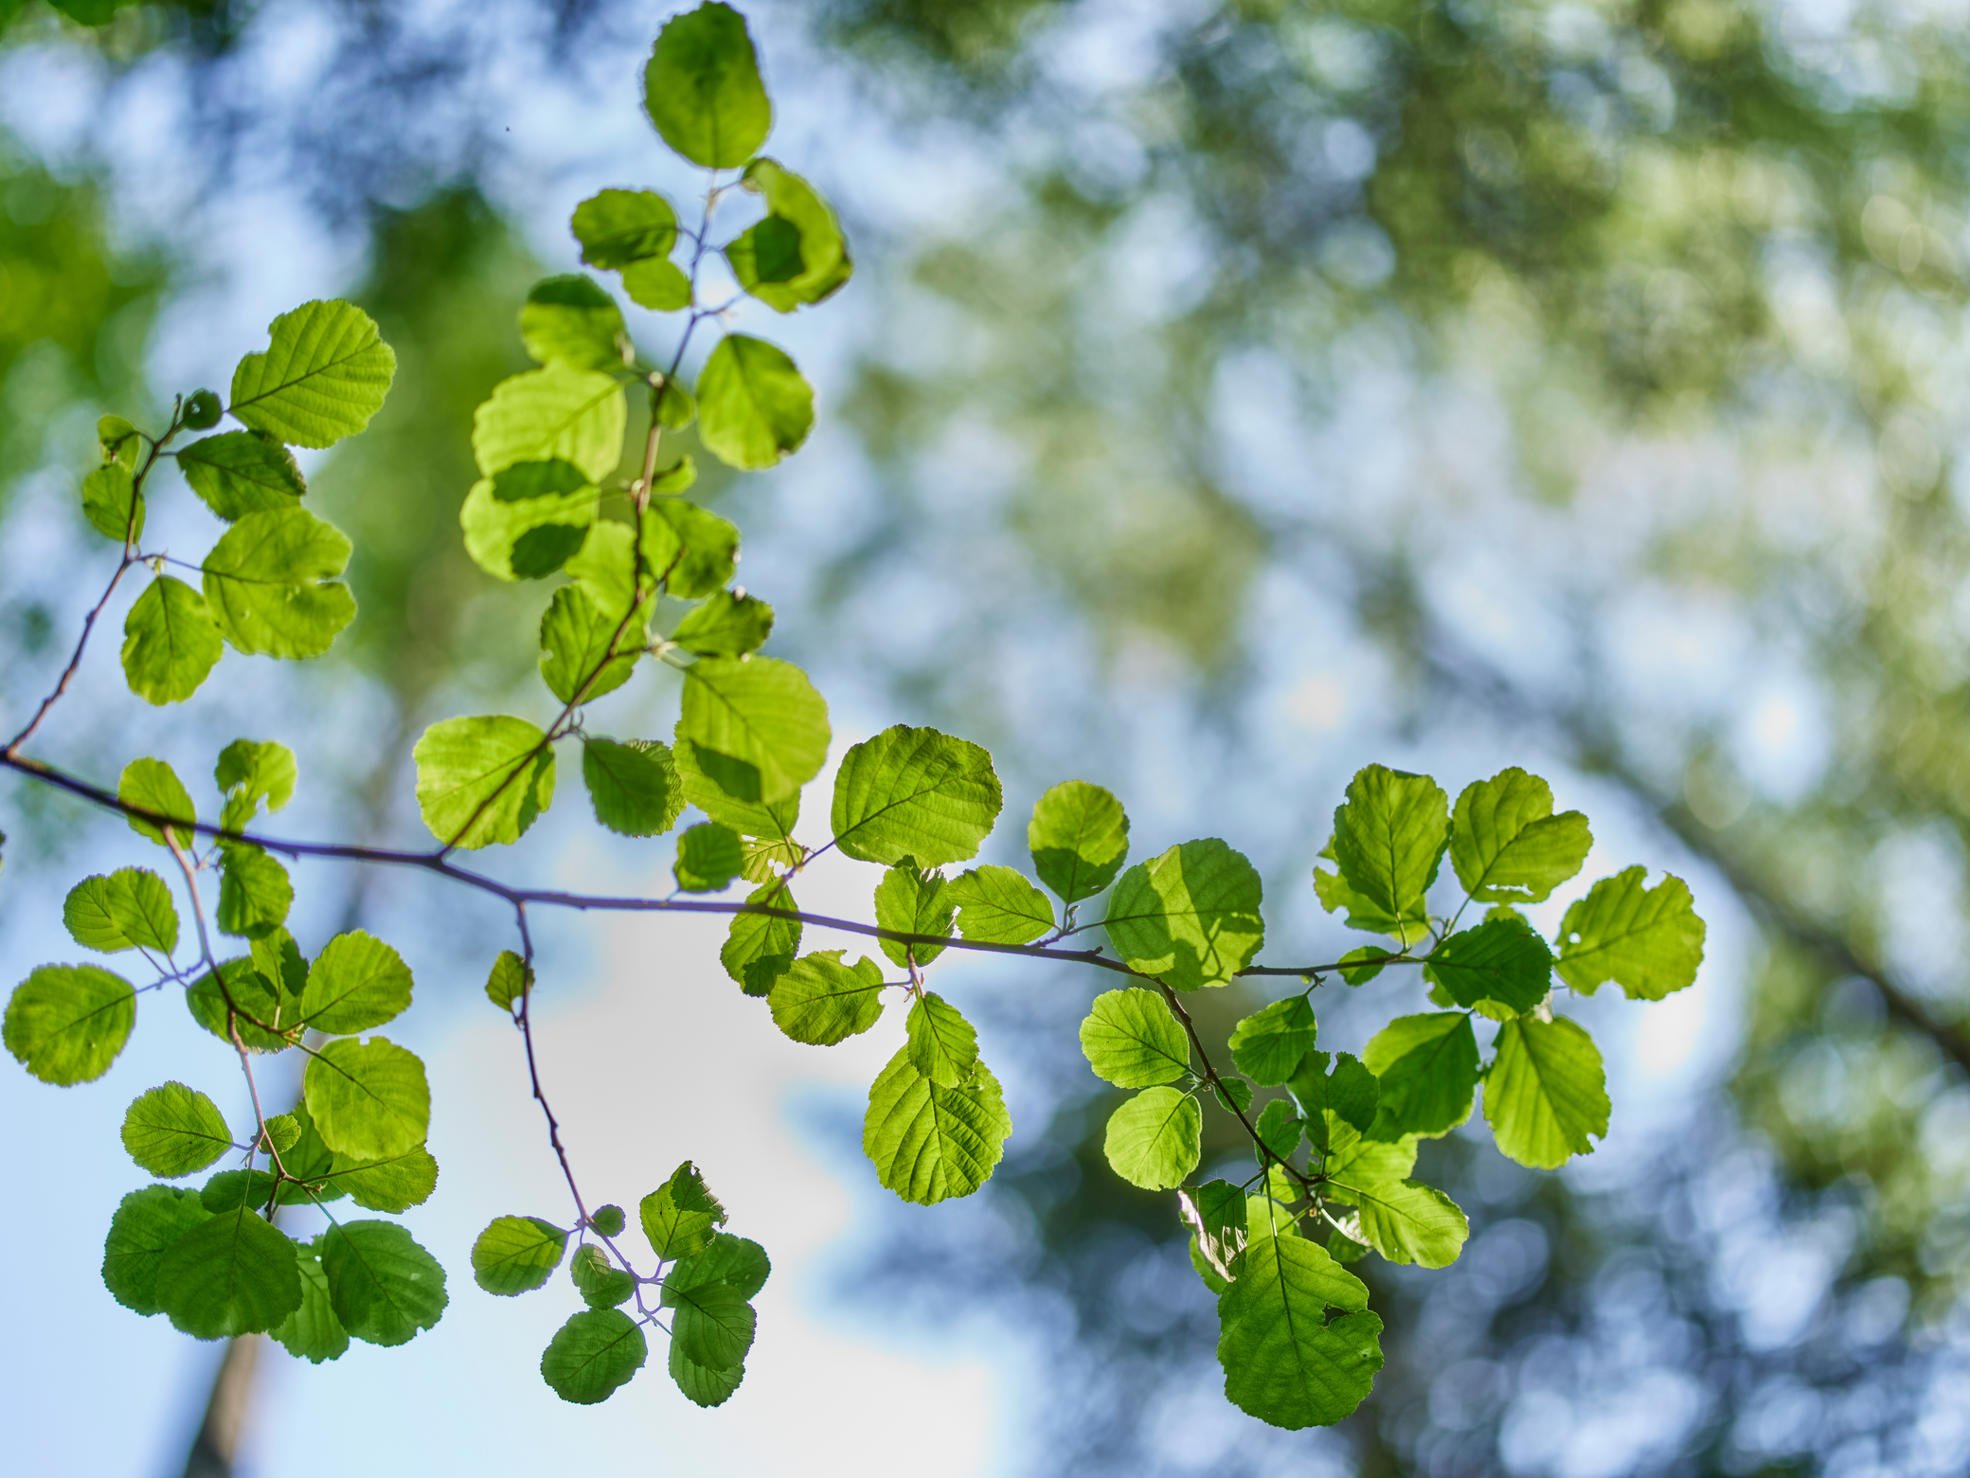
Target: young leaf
[324, 373]
[632, 784]
[369, 1100]
[255, 891]
[516, 1254]
[1269, 1045]
[1648, 941]
[231, 1274]
[357, 982]
[755, 727]
[819, 263]
[66, 1023]
[753, 405]
[482, 780]
[914, 793]
[1079, 838]
[1189, 917]
[1285, 1360]
[1545, 1096]
[822, 1001]
[1389, 837]
[608, 1220]
[618, 227]
[601, 1283]
[593, 1355]
[657, 283]
[941, 1044]
[253, 997]
[241, 472]
[147, 1224]
[586, 651]
[709, 856]
[1154, 1139]
[112, 504]
[131, 908]
[930, 1143]
[173, 1130]
[508, 980]
[1427, 1071]
[728, 624]
[1279, 1128]
[383, 1285]
[1506, 843]
[1348, 1091]
[153, 786]
[1215, 1214]
[912, 901]
[270, 584]
[703, 91]
[1131, 1039]
[680, 1217]
[569, 320]
[250, 771]
[760, 948]
[553, 414]
[312, 1332]
[1501, 966]
[170, 643]
[997, 905]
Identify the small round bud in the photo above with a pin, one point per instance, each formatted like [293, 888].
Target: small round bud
[202, 410]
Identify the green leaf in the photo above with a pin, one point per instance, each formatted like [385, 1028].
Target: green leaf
[312, 1332]
[1648, 941]
[773, 821]
[753, 405]
[525, 538]
[680, 1216]
[998, 906]
[112, 504]
[250, 771]
[942, 1044]
[66, 1023]
[129, 909]
[147, 1224]
[1154, 1139]
[482, 780]
[119, 441]
[153, 786]
[618, 227]
[231, 1274]
[383, 1285]
[517, 1254]
[738, 1261]
[255, 891]
[1269, 1045]
[632, 784]
[170, 642]
[555, 413]
[822, 1001]
[1234, 1094]
[593, 1355]
[1079, 838]
[1545, 1095]
[1506, 843]
[728, 624]
[357, 982]
[691, 549]
[1501, 967]
[1427, 1071]
[1189, 917]
[756, 728]
[1215, 1214]
[1359, 966]
[912, 901]
[1412, 1223]
[1348, 1091]
[270, 584]
[658, 284]
[1131, 1039]
[930, 1142]
[173, 1130]
[394, 1185]
[1389, 837]
[1278, 1128]
[819, 263]
[253, 996]
[708, 858]
[508, 980]
[1353, 1162]
[703, 91]
[368, 1099]
[914, 793]
[1285, 1360]
[569, 320]
[585, 651]
[602, 1285]
[241, 472]
[713, 1324]
[759, 948]
[322, 376]
[608, 1220]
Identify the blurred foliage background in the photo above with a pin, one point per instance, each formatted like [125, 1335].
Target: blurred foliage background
[1287, 385]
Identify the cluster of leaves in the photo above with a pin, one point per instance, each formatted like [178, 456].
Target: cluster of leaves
[645, 573]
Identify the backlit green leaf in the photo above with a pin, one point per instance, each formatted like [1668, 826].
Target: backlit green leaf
[368, 1099]
[131, 908]
[383, 1285]
[1506, 843]
[998, 906]
[569, 320]
[525, 538]
[250, 771]
[312, 1332]
[112, 503]
[482, 780]
[702, 88]
[152, 786]
[586, 651]
[709, 856]
[1154, 1138]
[1285, 1360]
[942, 1044]
[66, 1023]
[691, 549]
[255, 891]
[173, 1130]
[1131, 1038]
[1079, 837]
[516, 1254]
[912, 901]
[555, 413]
[1189, 917]
[508, 980]
[1389, 837]
[1501, 966]
[1648, 941]
[593, 1355]
[357, 982]
[821, 1001]
[1427, 1071]
[819, 262]
[231, 1274]
[270, 584]
[728, 624]
[324, 373]
[241, 472]
[914, 793]
[1412, 1223]
[1545, 1096]
[753, 405]
[147, 1224]
[617, 227]
[681, 1216]
[1269, 1045]
[169, 642]
[757, 729]
[601, 1283]
[759, 948]
[930, 1142]
[632, 785]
